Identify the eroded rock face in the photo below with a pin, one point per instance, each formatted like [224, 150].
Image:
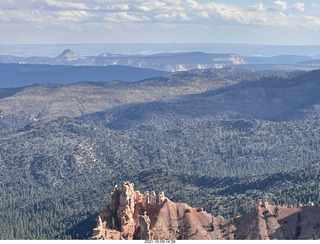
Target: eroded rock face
[132, 215]
[123, 213]
[144, 222]
[267, 222]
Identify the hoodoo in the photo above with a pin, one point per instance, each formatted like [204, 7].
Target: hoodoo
[132, 215]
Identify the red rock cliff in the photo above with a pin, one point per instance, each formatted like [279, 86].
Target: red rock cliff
[132, 215]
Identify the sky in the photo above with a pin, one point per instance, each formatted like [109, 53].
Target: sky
[277, 22]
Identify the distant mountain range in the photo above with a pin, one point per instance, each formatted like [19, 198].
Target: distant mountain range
[68, 67]
[280, 59]
[164, 61]
[281, 62]
[172, 62]
[245, 50]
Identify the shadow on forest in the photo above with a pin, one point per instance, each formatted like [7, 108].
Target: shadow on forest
[83, 230]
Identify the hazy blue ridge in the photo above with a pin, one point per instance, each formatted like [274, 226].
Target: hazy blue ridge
[16, 75]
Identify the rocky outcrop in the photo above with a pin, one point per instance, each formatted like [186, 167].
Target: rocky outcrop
[145, 222]
[267, 222]
[132, 215]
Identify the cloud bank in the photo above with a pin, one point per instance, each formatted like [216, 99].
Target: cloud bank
[136, 15]
[277, 13]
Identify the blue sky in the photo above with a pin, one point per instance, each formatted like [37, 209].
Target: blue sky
[287, 22]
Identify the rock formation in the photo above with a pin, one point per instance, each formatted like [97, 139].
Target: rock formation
[145, 222]
[132, 215]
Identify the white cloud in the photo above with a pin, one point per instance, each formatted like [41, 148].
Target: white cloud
[192, 4]
[172, 16]
[230, 14]
[311, 22]
[278, 6]
[279, 13]
[72, 16]
[298, 6]
[276, 13]
[124, 17]
[159, 6]
[205, 14]
[3, 16]
[66, 5]
[259, 7]
[19, 16]
[115, 7]
[282, 6]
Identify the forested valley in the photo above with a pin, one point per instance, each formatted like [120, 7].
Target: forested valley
[217, 139]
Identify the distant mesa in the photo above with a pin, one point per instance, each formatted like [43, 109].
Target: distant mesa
[173, 62]
[169, 62]
[132, 215]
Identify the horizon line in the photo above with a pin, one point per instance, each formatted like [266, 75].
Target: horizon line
[162, 43]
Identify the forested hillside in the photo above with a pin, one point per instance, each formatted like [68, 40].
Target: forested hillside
[272, 98]
[218, 139]
[21, 106]
[17, 75]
